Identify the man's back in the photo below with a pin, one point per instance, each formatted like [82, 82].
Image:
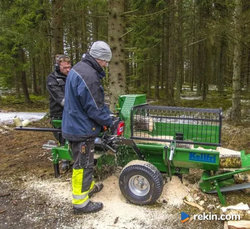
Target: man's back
[85, 112]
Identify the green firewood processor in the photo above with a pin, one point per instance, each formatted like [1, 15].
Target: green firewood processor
[158, 140]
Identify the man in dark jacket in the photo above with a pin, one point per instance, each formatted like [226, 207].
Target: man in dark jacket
[56, 87]
[83, 117]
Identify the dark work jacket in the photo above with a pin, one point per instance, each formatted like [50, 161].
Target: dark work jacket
[84, 109]
[56, 87]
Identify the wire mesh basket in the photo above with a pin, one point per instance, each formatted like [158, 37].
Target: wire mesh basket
[184, 125]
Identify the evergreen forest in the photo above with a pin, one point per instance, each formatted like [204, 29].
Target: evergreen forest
[160, 47]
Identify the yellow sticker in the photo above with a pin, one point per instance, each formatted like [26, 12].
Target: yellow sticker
[83, 148]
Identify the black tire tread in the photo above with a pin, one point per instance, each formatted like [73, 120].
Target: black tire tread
[145, 168]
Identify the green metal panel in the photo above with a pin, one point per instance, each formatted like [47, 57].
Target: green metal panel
[195, 158]
[245, 159]
[183, 158]
[125, 105]
[59, 153]
[191, 132]
[57, 123]
[139, 99]
[154, 154]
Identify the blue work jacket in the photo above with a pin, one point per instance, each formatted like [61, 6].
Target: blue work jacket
[84, 111]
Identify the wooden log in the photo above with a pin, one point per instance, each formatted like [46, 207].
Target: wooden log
[240, 209]
[194, 205]
[242, 178]
[143, 123]
[242, 224]
[225, 225]
[230, 162]
[224, 152]
[154, 142]
[4, 194]
[229, 158]
[147, 135]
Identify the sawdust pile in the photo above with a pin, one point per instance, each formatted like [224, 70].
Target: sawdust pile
[174, 192]
[57, 191]
[117, 211]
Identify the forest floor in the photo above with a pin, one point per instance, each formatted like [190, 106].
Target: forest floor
[30, 196]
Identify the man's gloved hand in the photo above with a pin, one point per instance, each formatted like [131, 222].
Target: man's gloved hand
[113, 127]
[105, 128]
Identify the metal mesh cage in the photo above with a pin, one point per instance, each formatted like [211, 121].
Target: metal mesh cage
[185, 125]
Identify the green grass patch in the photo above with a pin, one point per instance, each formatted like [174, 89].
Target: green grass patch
[12, 103]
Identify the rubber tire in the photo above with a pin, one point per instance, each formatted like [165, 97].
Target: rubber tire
[148, 171]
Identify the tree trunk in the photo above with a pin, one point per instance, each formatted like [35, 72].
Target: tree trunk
[222, 65]
[171, 55]
[236, 94]
[194, 66]
[95, 22]
[34, 78]
[200, 69]
[157, 78]
[57, 28]
[207, 69]
[117, 79]
[164, 55]
[248, 72]
[150, 76]
[22, 62]
[70, 43]
[17, 85]
[83, 30]
[180, 64]
[204, 52]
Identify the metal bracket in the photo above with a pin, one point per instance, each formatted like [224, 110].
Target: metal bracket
[221, 197]
[170, 158]
[130, 142]
[233, 188]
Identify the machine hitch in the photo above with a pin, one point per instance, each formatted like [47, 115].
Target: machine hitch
[106, 141]
[45, 129]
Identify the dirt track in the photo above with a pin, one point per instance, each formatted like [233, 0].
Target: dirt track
[30, 196]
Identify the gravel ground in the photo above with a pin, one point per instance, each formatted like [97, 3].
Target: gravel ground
[30, 196]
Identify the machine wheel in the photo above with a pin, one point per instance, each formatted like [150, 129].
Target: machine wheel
[141, 182]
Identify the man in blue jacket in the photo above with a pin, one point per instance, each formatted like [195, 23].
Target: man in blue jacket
[83, 117]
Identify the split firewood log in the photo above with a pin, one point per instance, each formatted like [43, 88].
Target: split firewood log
[240, 209]
[242, 178]
[242, 224]
[143, 123]
[229, 158]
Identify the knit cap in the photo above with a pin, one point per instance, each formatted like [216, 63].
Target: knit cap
[101, 50]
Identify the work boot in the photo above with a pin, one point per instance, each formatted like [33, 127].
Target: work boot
[97, 188]
[89, 208]
[65, 165]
